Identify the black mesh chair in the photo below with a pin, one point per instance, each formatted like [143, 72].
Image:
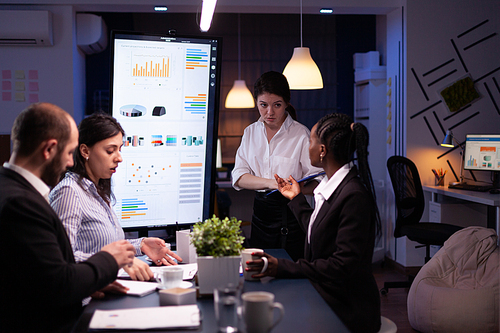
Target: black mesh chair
[410, 204]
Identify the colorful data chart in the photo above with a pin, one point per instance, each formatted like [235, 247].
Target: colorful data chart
[156, 140]
[144, 173]
[196, 104]
[159, 67]
[171, 140]
[471, 162]
[191, 177]
[132, 110]
[133, 208]
[196, 58]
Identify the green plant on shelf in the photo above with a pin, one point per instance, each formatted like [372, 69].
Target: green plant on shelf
[218, 238]
[459, 94]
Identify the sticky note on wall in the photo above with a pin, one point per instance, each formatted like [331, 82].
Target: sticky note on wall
[33, 86]
[19, 86]
[19, 97]
[6, 85]
[6, 74]
[19, 74]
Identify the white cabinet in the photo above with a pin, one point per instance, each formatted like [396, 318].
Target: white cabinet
[370, 99]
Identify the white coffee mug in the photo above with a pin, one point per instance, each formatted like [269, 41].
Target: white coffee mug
[246, 255]
[169, 277]
[258, 311]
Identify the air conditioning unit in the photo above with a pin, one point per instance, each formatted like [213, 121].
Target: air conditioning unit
[26, 27]
[91, 33]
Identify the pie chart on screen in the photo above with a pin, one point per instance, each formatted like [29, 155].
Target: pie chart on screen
[132, 110]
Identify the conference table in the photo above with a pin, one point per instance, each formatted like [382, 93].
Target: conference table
[305, 309]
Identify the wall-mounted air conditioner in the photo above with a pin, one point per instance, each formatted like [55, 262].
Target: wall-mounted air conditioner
[91, 33]
[26, 27]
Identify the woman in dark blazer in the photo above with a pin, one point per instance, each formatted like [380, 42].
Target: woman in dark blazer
[342, 228]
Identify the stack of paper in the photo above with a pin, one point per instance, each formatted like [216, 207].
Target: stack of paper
[162, 317]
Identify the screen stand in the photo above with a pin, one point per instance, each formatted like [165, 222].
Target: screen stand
[461, 168]
[496, 179]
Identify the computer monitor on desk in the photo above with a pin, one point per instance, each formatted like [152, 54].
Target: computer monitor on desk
[482, 153]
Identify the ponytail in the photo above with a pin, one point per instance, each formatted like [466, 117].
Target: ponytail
[344, 138]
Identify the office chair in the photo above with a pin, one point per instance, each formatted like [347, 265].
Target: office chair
[410, 204]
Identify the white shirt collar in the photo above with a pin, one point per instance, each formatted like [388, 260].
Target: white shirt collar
[328, 186]
[36, 182]
[323, 192]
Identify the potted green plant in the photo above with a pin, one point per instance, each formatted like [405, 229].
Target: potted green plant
[218, 245]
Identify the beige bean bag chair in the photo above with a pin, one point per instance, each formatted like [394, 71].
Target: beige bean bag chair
[457, 290]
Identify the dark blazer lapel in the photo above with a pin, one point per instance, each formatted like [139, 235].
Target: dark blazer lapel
[325, 208]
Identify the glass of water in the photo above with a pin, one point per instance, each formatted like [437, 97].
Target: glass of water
[226, 302]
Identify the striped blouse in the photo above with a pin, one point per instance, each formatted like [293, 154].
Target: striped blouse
[89, 221]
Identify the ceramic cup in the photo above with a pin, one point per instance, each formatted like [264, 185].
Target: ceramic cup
[258, 311]
[246, 255]
[169, 277]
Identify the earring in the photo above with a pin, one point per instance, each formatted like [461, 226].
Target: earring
[321, 158]
[87, 159]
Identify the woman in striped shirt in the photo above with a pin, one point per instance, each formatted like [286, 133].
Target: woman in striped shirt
[83, 198]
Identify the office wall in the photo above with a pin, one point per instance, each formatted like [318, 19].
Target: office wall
[448, 40]
[430, 45]
[51, 74]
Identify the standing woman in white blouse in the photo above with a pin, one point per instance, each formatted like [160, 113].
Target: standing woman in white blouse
[275, 144]
[83, 199]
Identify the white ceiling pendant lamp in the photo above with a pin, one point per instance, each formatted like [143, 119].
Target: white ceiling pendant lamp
[301, 71]
[207, 12]
[239, 97]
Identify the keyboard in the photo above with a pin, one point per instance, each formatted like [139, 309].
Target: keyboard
[470, 187]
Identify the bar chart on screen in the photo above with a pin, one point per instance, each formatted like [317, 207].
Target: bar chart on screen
[146, 65]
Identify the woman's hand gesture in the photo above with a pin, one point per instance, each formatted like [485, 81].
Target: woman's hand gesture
[289, 188]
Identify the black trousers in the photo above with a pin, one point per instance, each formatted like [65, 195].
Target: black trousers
[274, 226]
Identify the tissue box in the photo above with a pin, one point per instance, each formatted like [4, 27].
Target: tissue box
[185, 249]
[177, 296]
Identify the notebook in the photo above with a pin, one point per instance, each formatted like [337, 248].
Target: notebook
[160, 317]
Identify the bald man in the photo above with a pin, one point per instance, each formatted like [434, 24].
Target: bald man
[41, 286]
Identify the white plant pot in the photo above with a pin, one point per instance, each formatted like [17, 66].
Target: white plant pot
[217, 271]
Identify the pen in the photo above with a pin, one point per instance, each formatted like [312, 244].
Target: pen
[304, 179]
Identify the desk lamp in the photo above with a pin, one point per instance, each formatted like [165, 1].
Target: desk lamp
[448, 141]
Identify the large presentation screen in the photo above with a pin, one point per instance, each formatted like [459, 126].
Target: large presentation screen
[164, 93]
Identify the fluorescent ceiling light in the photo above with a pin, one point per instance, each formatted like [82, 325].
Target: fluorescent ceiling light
[207, 12]
[160, 9]
[326, 11]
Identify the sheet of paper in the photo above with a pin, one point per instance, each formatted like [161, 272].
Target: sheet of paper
[189, 271]
[139, 288]
[182, 316]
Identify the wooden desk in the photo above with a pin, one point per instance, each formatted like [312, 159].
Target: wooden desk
[305, 309]
[492, 201]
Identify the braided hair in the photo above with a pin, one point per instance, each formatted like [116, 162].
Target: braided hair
[343, 138]
[274, 83]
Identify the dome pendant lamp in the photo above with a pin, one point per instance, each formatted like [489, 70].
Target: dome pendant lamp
[301, 71]
[239, 97]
